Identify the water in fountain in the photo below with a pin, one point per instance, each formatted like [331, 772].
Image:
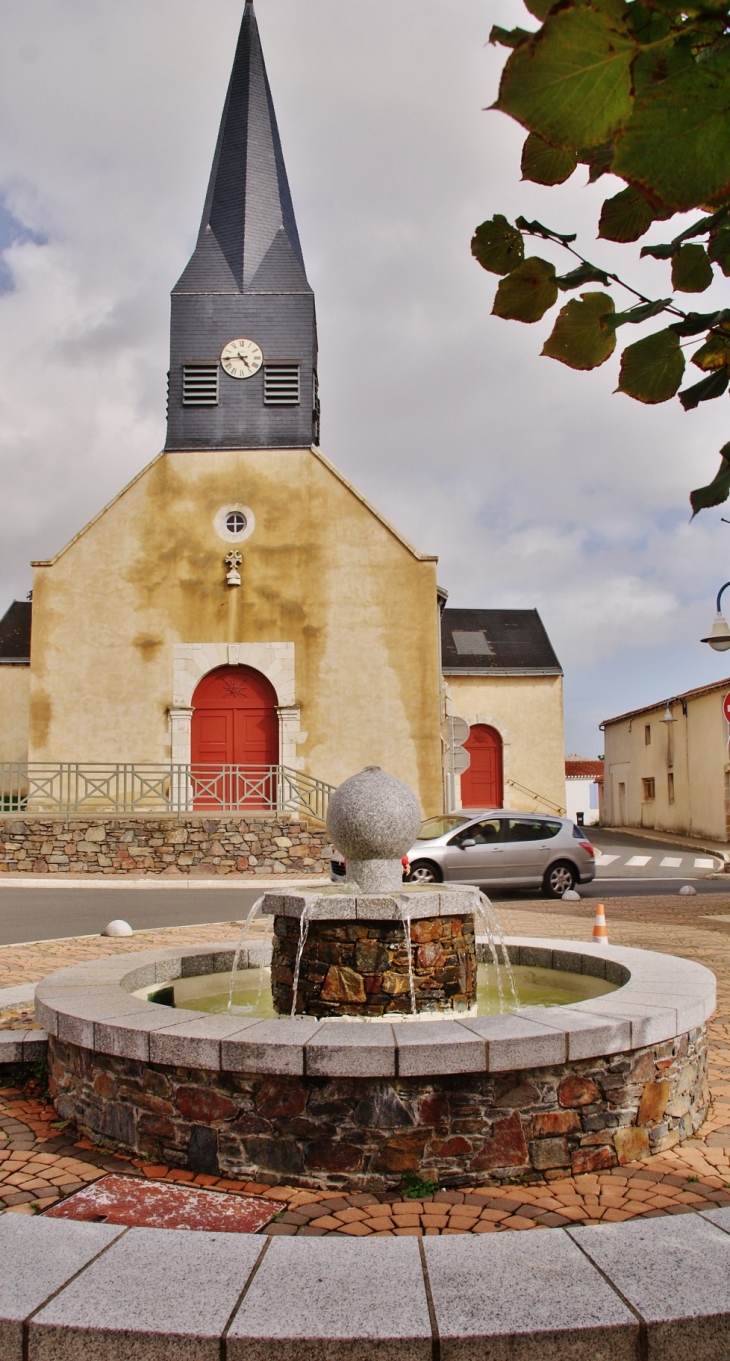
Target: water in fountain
[239, 948]
[406, 919]
[490, 911]
[303, 931]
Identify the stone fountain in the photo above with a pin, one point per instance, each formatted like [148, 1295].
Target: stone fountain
[374, 946]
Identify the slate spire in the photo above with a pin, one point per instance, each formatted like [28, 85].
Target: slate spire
[245, 279]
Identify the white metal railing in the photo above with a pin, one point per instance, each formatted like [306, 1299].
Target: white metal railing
[129, 787]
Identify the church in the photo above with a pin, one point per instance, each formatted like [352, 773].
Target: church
[240, 605]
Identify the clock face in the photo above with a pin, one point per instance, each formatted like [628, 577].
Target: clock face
[242, 358]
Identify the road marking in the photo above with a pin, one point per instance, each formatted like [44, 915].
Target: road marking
[605, 859]
[672, 862]
[639, 860]
[704, 864]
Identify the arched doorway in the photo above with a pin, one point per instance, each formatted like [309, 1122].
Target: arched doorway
[234, 739]
[482, 783]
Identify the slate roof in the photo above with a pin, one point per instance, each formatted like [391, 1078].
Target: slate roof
[15, 632]
[496, 642]
[248, 228]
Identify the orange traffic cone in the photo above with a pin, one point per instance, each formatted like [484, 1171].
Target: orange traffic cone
[600, 934]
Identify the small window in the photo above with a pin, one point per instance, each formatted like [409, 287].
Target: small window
[483, 833]
[472, 644]
[235, 522]
[523, 829]
[281, 385]
[670, 787]
[649, 791]
[200, 384]
[434, 827]
[647, 735]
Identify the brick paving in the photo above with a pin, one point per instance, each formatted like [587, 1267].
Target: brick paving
[42, 1160]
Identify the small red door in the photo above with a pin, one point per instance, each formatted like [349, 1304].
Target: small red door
[235, 725]
[481, 784]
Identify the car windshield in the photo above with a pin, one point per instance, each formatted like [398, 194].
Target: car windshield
[434, 827]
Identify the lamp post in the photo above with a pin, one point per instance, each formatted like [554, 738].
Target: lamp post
[719, 636]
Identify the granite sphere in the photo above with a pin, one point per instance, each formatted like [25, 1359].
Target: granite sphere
[373, 816]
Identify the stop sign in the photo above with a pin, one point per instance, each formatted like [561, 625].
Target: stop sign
[726, 707]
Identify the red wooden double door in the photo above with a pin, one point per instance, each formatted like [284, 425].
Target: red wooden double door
[235, 725]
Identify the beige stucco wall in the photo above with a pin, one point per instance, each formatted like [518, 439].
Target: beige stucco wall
[322, 573]
[527, 711]
[694, 749]
[14, 706]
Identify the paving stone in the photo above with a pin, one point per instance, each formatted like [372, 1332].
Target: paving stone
[167, 1294]
[38, 1257]
[336, 1292]
[134, 1201]
[675, 1276]
[531, 1295]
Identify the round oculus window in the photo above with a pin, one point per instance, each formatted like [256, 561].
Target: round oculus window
[234, 523]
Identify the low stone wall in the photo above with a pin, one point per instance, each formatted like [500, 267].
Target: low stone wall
[365, 1133]
[196, 844]
[361, 968]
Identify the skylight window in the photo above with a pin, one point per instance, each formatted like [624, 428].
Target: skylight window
[472, 644]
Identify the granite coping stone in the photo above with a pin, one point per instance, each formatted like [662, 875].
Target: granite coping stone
[38, 1257]
[151, 1285]
[340, 1300]
[532, 1295]
[456, 900]
[91, 1005]
[655, 1288]
[675, 1273]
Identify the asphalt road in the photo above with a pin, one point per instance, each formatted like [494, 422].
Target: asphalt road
[39, 913]
[29, 914]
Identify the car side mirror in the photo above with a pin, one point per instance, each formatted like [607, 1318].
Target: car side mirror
[469, 842]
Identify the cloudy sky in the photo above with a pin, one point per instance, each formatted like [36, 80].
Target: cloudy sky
[535, 485]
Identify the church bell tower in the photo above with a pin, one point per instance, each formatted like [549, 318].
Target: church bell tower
[243, 339]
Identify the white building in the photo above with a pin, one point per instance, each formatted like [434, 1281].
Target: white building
[583, 788]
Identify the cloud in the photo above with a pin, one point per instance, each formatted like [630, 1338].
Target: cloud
[535, 485]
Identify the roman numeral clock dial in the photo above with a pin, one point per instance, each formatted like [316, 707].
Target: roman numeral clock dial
[241, 358]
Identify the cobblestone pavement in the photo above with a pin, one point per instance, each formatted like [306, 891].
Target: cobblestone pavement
[43, 1160]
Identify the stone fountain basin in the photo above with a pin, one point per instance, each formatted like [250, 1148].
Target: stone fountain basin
[659, 997]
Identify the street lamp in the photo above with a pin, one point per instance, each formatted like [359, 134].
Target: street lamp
[719, 638]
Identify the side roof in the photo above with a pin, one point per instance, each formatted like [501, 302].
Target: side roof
[673, 699]
[15, 632]
[496, 642]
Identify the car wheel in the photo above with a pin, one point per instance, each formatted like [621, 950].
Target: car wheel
[558, 879]
[425, 872]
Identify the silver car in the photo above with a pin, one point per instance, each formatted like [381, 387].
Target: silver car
[499, 848]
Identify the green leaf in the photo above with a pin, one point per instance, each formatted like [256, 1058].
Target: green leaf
[544, 164]
[539, 8]
[652, 368]
[508, 37]
[718, 249]
[571, 83]
[625, 217]
[497, 245]
[677, 144]
[706, 390]
[537, 229]
[695, 322]
[714, 354]
[691, 270]
[584, 274]
[642, 312]
[598, 160]
[717, 491]
[528, 292]
[580, 337]
[663, 252]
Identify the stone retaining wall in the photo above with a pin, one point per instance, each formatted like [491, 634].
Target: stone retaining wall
[196, 844]
[365, 1133]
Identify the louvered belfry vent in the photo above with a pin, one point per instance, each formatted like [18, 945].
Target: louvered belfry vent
[281, 385]
[200, 384]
